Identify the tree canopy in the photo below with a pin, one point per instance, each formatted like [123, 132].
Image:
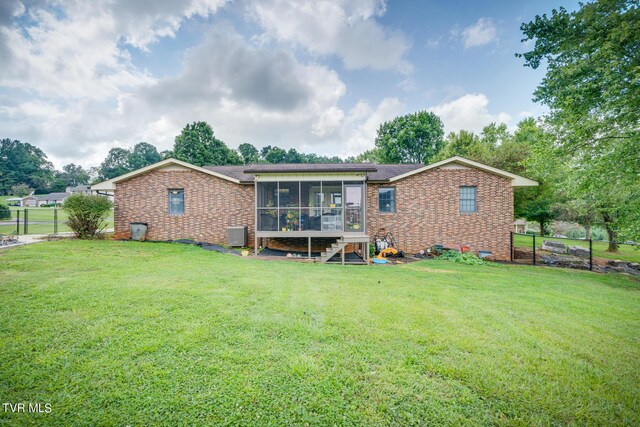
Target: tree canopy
[116, 163]
[23, 163]
[413, 138]
[143, 154]
[249, 153]
[591, 83]
[122, 160]
[592, 88]
[197, 144]
[73, 175]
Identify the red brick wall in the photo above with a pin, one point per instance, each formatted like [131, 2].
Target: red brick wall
[211, 205]
[428, 211]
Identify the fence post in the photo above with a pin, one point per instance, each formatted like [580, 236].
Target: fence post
[511, 246]
[590, 254]
[26, 221]
[534, 249]
[55, 221]
[17, 222]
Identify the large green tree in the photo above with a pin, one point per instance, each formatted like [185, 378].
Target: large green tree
[592, 89]
[23, 163]
[73, 175]
[21, 190]
[464, 144]
[276, 155]
[414, 138]
[143, 154]
[249, 153]
[593, 70]
[115, 164]
[198, 145]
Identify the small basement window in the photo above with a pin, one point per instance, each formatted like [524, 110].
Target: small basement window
[387, 199]
[176, 201]
[468, 202]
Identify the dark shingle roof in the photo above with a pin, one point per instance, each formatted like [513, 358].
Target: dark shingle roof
[235, 172]
[311, 167]
[386, 172]
[375, 172]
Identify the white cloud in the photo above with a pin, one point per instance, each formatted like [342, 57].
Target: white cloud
[481, 33]
[344, 28]
[68, 70]
[74, 92]
[362, 123]
[143, 23]
[247, 94]
[75, 53]
[469, 112]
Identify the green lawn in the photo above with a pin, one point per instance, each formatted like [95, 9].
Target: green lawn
[626, 252]
[127, 333]
[44, 216]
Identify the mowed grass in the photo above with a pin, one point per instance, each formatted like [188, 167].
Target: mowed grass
[41, 221]
[630, 253]
[127, 333]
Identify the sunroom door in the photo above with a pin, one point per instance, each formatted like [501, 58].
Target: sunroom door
[354, 206]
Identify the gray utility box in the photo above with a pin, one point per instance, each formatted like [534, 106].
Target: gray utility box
[237, 236]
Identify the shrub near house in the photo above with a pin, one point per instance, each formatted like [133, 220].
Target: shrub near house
[5, 212]
[87, 214]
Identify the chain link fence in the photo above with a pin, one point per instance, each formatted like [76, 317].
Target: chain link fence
[38, 221]
[574, 253]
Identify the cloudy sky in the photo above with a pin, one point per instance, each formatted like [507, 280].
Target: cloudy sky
[79, 77]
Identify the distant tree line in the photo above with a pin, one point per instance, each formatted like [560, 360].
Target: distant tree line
[25, 168]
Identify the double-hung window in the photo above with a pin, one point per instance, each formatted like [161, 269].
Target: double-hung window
[176, 201]
[468, 199]
[387, 199]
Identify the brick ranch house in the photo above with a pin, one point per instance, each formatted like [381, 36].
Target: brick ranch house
[336, 208]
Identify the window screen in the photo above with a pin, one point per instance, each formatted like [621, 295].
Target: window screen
[387, 199]
[468, 199]
[176, 201]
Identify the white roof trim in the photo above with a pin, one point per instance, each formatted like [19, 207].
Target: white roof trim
[110, 184]
[516, 180]
[104, 186]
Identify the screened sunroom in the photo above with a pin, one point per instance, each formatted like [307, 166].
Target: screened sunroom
[310, 207]
[290, 204]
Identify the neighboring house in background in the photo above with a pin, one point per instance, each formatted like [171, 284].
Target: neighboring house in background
[14, 201]
[79, 189]
[520, 225]
[51, 199]
[455, 201]
[29, 201]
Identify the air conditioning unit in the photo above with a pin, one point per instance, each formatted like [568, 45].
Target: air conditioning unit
[237, 236]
